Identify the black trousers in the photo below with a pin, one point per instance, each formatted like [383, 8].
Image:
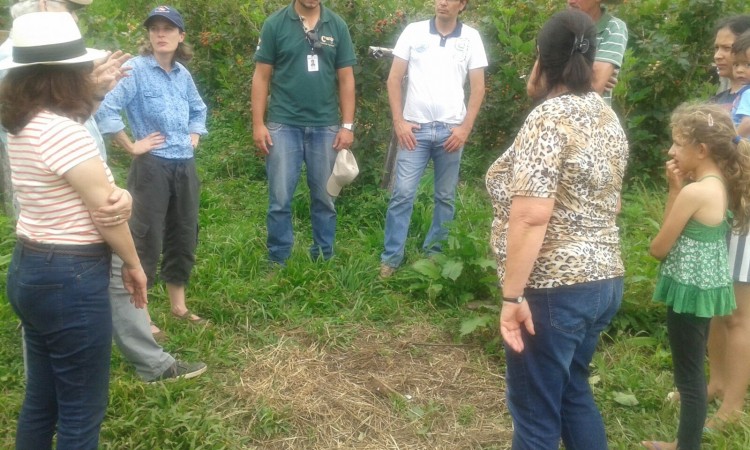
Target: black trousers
[166, 195]
[688, 335]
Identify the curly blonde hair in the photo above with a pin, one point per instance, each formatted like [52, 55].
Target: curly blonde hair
[710, 124]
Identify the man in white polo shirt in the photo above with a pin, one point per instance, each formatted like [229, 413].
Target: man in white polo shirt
[434, 122]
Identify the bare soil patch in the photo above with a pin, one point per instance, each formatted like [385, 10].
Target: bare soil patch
[410, 388]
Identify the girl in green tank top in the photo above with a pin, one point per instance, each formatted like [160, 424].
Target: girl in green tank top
[709, 192]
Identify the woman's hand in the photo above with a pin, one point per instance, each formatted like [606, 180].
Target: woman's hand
[135, 281]
[107, 72]
[150, 142]
[195, 138]
[117, 211]
[512, 316]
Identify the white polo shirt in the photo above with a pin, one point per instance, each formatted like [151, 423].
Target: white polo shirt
[437, 70]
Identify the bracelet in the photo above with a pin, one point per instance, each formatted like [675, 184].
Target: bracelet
[516, 300]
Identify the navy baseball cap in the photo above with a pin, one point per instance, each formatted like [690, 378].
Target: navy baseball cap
[168, 13]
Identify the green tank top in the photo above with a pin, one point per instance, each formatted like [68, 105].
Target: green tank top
[694, 278]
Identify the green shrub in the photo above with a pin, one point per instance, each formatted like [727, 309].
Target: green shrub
[668, 61]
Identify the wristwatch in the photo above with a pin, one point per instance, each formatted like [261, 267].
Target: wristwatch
[348, 126]
[516, 300]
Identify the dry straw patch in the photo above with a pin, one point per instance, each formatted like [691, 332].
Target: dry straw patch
[412, 389]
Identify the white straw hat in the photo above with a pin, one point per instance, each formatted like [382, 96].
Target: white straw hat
[345, 170]
[48, 38]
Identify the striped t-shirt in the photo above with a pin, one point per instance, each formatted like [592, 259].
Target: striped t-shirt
[611, 41]
[51, 211]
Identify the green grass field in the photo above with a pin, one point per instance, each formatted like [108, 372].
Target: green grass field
[324, 355]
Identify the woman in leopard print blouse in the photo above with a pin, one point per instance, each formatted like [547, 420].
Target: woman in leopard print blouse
[555, 194]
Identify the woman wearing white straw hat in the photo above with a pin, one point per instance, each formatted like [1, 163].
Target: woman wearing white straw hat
[59, 273]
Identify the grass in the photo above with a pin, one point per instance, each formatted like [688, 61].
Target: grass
[324, 355]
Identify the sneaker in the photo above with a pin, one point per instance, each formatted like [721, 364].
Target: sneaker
[386, 271]
[181, 369]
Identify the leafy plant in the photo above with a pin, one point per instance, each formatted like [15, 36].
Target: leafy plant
[464, 271]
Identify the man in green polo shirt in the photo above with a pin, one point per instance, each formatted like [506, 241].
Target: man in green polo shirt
[303, 60]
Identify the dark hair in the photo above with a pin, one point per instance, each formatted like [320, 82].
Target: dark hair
[741, 44]
[737, 24]
[566, 46]
[64, 89]
[710, 124]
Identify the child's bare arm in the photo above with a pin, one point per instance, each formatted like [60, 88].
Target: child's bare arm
[681, 206]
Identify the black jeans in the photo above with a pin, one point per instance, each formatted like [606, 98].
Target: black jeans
[688, 335]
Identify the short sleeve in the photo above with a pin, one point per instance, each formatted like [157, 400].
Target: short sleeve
[403, 44]
[345, 56]
[536, 160]
[266, 49]
[478, 54]
[743, 105]
[613, 42]
[65, 144]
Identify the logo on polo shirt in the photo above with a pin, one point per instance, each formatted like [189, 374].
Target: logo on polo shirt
[327, 40]
[461, 45]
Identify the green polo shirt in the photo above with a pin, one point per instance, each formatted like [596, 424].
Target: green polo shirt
[299, 96]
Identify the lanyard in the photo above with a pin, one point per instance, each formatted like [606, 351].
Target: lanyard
[311, 36]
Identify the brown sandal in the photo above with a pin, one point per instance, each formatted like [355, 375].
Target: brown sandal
[159, 336]
[191, 318]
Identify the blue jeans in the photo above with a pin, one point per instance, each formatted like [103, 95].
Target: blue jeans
[410, 166]
[60, 295]
[548, 391]
[292, 146]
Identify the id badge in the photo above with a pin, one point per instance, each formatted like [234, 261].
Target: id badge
[312, 63]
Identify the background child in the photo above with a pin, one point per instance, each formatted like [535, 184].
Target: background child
[694, 280]
[741, 73]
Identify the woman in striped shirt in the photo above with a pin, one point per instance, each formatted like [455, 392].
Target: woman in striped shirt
[59, 275]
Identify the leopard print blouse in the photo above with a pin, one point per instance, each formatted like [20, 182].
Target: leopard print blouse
[573, 149]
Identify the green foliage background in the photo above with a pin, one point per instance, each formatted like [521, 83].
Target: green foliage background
[668, 61]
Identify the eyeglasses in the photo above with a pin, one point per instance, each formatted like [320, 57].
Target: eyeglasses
[314, 41]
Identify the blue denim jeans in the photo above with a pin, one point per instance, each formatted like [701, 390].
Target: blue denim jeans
[410, 166]
[548, 391]
[60, 295]
[292, 146]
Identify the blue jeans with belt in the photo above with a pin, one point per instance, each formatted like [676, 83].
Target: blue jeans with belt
[410, 166]
[548, 390]
[60, 294]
